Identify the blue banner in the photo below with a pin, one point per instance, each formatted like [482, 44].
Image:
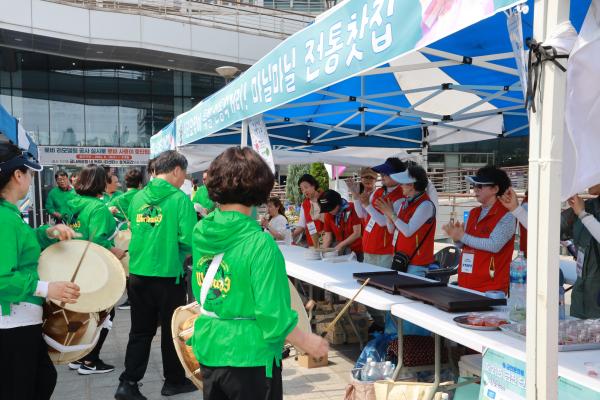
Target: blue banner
[355, 37]
[163, 140]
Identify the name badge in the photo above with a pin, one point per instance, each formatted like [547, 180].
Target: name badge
[312, 228]
[580, 258]
[467, 263]
[370, 225]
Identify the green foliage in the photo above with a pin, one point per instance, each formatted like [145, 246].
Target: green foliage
[320, 173]
[291, 189]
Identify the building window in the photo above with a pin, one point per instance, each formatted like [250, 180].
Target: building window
[69, 102]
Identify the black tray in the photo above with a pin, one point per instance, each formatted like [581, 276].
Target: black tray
[391, 281]
[452, 299]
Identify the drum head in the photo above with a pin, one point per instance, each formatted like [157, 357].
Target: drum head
[182, 328]
[298, 306]
[100, 277]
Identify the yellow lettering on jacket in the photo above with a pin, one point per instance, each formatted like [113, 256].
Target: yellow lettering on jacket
[141, 218]
[75, 226]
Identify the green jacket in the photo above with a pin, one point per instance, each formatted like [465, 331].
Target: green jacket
[106, 198]
[122, 202]
[162, 220]
[57, 200]
[201, 197]
[90, 217]
[21, 246]
[251, 283]
[585, 297]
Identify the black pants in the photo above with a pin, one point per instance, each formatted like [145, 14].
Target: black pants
[152, 298]
[250, 383]
[94, 355]
[26, 372]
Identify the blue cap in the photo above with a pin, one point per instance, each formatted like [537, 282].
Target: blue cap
[24, 159]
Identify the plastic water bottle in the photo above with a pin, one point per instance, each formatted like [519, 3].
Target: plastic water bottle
[372, 372]
[388, 370]
[365, 369]
[518, 288]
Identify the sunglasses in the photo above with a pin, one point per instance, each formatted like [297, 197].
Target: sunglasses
[482, 185]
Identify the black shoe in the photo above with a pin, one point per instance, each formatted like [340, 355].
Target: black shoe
[95, 367]
[129, 391]
[74, 366]
[169, 389]
[125, 305]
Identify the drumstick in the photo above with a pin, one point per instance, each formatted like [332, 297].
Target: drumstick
[343, 310]
[120, 209]
[87, 246]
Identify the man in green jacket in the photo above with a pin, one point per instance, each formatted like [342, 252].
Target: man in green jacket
[119, 205]
[162, 219]
[585, 298]
[56, 202]
[112, 188]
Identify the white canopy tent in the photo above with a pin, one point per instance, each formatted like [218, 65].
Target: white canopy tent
[200, 156]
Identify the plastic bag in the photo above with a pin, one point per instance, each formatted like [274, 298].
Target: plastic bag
[375, 349]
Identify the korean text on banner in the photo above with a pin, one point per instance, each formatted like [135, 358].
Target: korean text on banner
[116, 156]
[502, 377]
[260, 140]
[355, 37]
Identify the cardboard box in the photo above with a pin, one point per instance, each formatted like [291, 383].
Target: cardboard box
[342, 332]
[306, 361]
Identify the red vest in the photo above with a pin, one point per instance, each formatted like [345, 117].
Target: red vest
[345, 228]
[523, 234]
[480, 278]
[407, 245]
[308, 219]
[379, 240]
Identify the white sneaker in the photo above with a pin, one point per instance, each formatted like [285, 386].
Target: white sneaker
[74, 365]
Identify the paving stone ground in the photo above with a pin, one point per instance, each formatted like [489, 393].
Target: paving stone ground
[298, 383]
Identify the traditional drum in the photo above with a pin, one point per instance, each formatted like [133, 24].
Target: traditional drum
[68, 334]
[100, 276]
[122, 240]
[182, 329]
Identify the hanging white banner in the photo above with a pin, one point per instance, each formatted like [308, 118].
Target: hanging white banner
[260, 140]
[515, 29]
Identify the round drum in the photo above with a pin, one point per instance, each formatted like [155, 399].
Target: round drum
[122, 242]
[100, 277]
[182, 328]
[68, 334]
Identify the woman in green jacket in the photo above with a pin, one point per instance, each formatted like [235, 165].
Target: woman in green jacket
[26, 372]
[89, 216]
[247, 315]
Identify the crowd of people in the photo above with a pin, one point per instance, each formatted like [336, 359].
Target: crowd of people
[238, 271]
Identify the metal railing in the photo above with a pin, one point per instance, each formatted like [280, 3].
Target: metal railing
[239, 16]
[453, 181]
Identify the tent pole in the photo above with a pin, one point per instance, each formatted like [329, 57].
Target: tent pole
[545, 160]
[244, 134]
[425, 148]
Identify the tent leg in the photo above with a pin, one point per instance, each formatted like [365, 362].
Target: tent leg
[545, 161]
[400, 350]
[244, 134]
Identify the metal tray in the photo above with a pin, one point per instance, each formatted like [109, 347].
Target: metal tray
[392, 281]
[461, 321]
[510, 330]
[452, 299]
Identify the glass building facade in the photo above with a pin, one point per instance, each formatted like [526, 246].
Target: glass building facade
[70, 102]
